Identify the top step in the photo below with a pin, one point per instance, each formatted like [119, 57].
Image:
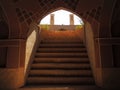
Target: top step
[62, 41]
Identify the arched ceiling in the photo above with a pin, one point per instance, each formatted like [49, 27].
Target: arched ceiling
[20, 13]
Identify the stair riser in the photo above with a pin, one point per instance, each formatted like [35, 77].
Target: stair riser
[61, 41]
[61, 60]
[62, 80]
[61, 73]
[60, 66]
[61, 55]
[61, 46]
[60, 51]
[63, 50]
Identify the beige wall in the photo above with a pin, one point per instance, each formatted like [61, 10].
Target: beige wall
[89, 40]
[31, 46]
[104, 77]
[13, 75]
[11, 78]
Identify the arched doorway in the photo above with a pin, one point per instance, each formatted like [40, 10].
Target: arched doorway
[92, 27]
[65, 41]
[61, 19]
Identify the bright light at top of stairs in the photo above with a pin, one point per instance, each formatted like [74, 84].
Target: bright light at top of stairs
[62, 18]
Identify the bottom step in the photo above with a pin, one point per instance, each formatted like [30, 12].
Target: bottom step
[86, 87]
[60, 80]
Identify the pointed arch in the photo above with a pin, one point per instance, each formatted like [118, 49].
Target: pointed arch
[3, 25]
[59, 8]
[4, 34]
[62, 17]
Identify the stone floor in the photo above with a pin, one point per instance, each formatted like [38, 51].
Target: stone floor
[66, 88]
[63, 88]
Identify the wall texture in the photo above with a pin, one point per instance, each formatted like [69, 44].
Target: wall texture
[11, 78]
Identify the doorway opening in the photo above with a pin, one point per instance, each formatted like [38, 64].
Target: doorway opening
[61, 20]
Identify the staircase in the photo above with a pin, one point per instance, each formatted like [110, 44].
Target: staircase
[60, 62]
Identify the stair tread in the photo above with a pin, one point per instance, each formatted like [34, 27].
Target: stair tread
[59, 54]
[61, 45]
[60, 80]
[61, 41]
[61, 72]
[61, 50]
[80, 49]
[62, 60]
[60, 66]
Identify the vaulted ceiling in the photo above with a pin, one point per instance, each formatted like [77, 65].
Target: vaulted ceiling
[18, 14]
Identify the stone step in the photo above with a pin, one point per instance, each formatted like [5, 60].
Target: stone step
[61, 60]
[60, 66]
[63, 87]
[60, 80]
[61, 50]
[62, 46]
[61, 41]
[84, 73]
[38, 54]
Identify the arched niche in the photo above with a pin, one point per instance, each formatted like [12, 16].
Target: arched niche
[4, 30]
[115, 33]
[115, 22]
[4, 34]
